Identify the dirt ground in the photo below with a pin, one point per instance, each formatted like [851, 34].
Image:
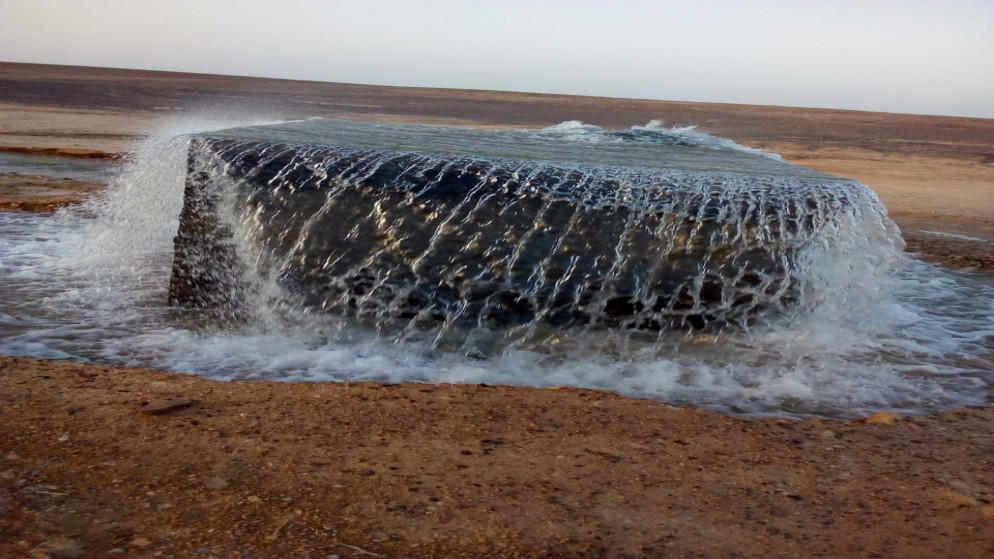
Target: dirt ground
[39, 193]
[112, 462]
[359, 469]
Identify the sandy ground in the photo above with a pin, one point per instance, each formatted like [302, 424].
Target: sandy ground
[362, 470]
[292, 470]
[40, 193]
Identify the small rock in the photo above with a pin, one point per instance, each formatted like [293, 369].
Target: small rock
[117, 550]
[141, 542]
[12, 456]
[59, 546]
[960, 499]
[883, 418]
[378, 537]
[254, 499]
[63, 438]
[165, 405]
[216, 482]
[202, 550]
[827, 434]
[954, 414]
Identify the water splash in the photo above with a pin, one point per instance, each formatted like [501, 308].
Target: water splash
[525, 250]
[652, 132]
[875, 331]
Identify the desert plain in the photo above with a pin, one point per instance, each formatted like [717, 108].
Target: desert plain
[101, 461]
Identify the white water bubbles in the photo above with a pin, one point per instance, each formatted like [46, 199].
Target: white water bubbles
[653, 131]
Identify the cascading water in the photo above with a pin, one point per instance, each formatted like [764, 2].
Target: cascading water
[454, 233]
[660, 263]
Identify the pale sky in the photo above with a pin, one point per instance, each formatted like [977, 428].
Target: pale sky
[931, 57]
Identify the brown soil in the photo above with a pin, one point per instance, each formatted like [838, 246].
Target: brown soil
[294, 470]
[39, 193]
[364, 470]
[65, 152]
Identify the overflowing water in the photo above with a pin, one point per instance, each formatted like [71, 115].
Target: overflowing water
[840, 322]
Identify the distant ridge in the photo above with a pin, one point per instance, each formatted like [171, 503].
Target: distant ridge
[153, 94]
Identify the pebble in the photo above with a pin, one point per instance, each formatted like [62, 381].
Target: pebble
[216, 482]
[827, 434]
[117, 550]
[883, 418]
[141, 542]
[960, 499]
[378, 537]
[165, 405]
[59, 546]
[254, 499]
[202, 550]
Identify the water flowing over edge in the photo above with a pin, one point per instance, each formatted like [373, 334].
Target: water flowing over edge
[887, 333]
[586, 238]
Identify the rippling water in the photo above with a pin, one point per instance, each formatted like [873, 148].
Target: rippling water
[880, 331]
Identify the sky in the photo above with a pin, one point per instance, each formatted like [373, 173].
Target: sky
[909, 56]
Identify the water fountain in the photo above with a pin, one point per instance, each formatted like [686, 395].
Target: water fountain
[461, 229]
[659, 263]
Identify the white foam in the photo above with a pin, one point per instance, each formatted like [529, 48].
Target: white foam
[654, 130]
[954, 236]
